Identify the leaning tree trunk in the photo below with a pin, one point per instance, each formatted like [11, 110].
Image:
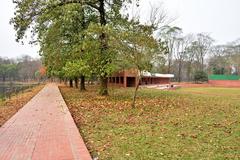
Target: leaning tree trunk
[135, 91]
[104, 47]
[82, 83]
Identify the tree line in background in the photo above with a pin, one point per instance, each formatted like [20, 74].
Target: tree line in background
[92, 39]
[225, 59]
[194, 56]
[21, 69]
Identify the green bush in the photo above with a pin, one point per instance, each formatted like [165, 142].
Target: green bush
[200, 76]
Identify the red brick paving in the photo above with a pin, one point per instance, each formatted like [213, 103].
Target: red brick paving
[42, 130]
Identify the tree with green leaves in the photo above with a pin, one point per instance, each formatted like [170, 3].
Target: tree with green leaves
[65, 40]
[41, 16]
[138, 50]
[8, 71]
[200, 76]
[72, 70]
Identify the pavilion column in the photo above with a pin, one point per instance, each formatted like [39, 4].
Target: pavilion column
[125, 81]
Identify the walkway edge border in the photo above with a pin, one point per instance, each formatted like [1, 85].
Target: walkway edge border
[75, 138]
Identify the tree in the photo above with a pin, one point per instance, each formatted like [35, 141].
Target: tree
[138, 50]
[76, 68]
[170, 35]
[234, 55]
[40, 74]
[182, 44]
[200, 76]
[27, 66]
[3, 71]
[64, 41]
[219, 60]
[20, 69]
[201, 46]
[11, 70]
[190, 59]
[39, 15]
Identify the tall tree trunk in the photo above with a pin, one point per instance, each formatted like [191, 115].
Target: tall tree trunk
[189, 69]
[202, 63]
[82, 83]
[71, 83]
[84, 27]
[169, 67]
[135, 91]
[179, 71]
[65, 81]
[104, 47]
[170, 57]
[76, 82]
[103, 86]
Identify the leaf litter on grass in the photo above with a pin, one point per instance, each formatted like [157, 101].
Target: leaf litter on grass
[164, 125]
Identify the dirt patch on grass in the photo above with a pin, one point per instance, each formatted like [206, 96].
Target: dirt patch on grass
[9, 107]
[201, 85]
[190, 85]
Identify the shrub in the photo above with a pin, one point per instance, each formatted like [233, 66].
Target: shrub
[200, 76]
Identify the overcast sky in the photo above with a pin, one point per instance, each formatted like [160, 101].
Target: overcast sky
[220, 18]
[8, 46]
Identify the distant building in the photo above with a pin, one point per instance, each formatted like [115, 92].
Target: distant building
[127, 78]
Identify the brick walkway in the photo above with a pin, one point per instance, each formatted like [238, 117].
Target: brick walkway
[42, 130]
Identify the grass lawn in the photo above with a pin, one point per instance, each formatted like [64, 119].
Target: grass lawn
[233, 93]
[180, 124]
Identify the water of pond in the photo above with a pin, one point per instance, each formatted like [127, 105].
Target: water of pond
[6, 89]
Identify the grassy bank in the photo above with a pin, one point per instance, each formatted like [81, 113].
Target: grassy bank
[10, 106]
[164, 125]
